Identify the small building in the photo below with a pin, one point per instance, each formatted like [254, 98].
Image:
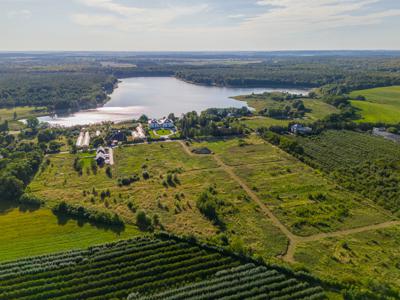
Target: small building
[162, 123]
[154, 124]
[167, 123]
[300, 129]
[102, 156]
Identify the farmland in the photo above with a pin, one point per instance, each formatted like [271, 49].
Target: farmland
[370, 165]
[27, 233]
[369, 259]
[173, 200]
[381, 104]
[304, 200]
[138, 268]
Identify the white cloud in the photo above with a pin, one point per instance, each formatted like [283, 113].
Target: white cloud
[130, 18]
[298, 16]
[19, 14]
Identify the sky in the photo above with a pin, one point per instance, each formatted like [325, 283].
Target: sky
[190, 25]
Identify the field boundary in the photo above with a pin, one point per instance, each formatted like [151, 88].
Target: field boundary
[293, 239]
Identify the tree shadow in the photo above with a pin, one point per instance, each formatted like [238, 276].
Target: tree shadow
[63, 219]
[6, 206]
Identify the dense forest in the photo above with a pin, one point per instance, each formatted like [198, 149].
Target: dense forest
[83, 80]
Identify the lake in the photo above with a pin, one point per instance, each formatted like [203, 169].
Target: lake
[157, 97]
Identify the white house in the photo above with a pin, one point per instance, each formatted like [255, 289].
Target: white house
[162, 123]
[300, 129]
[154, 124]
[167, 123]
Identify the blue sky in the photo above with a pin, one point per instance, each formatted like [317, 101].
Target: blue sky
[181, 25]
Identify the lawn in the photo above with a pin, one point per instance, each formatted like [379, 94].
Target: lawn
[381, 105]
[316, 110]
[175, 204]
[39, 232]
[162, 132]
[370, 258]
[22, 112]
[303, 199]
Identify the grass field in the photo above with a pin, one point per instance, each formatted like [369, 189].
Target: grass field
[22, 112]
[303, 199]
[162, 132]
[370, 258]
[316, 110]
[39, 232]
[176, 205]
[381, 105]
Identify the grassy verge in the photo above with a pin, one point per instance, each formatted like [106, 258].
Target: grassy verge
[40, 232]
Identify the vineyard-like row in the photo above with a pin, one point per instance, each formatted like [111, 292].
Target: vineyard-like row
[359, 162]
[142, 267]
[339, 149]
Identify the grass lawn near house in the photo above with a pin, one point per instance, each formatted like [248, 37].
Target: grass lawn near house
[162, 132]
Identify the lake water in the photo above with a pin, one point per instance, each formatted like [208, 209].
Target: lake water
[157, 97]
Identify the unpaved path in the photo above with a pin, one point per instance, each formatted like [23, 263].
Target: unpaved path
[293, 240]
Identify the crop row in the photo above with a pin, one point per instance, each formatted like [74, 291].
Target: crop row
[139, 268]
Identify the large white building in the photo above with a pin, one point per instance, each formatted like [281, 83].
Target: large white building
[162, 123]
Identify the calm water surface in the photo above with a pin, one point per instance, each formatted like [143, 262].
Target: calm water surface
[157, 97]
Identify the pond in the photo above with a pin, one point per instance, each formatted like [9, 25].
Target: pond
[157, 97]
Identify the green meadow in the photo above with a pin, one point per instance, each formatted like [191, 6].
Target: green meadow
[29, 233]
[381, 104]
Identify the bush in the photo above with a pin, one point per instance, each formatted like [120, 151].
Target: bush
[30, 200]
[81, 212]
[143, 221]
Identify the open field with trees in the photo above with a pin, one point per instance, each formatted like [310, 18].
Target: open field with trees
[166, 183]
[370, 259]
[28, 233]
[358, 161]
[304, 200]
[141, 267]
[380, 104]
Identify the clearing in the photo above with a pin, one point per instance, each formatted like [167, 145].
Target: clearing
[381, 104]
[176, 179]
[27, 233]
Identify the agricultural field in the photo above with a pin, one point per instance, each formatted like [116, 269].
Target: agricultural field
[358, 161]
[303, 199]
[166, 181]
[27, 233]
[381, 104]
[370, 259]
[21, 112]
[148, 268]
[259, 121]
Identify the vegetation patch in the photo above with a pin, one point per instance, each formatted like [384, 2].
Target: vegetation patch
[370, 259]
[142, 267]
[26, 233]
[303, 199]
[380, 104]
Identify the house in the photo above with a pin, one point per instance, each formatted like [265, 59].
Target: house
[381, 131]
[162, 123]
[167, 123]
[102, 156]
[138, 134]
[154, 124]
[300, 129]
[118, 136]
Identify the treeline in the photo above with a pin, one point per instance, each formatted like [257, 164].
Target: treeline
[213, 122]
[82, 213]
[337, 75]
[55, 90]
